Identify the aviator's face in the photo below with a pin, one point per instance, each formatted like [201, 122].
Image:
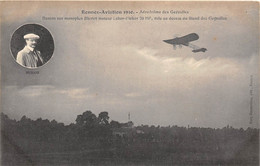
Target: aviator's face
[31, 42]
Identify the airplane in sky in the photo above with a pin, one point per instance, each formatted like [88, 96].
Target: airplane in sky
[185, 40]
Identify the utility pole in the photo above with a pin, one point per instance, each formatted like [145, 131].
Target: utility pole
[128, 116]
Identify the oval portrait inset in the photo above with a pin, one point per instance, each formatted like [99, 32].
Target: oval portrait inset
[32, 46]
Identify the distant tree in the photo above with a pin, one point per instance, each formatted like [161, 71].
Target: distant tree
[54, 122]
[6, 122]
[103, 118]
[4, 117]
[24, 118]
[87, 119]
[25, 124]
[115, 124]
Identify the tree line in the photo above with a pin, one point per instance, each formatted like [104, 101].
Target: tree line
[97, 140]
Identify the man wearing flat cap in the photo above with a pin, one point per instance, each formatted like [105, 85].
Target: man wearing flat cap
[29, 56]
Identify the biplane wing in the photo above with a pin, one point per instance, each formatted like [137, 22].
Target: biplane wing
[185, 40]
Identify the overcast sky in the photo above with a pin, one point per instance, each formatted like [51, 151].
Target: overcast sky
[123, 66]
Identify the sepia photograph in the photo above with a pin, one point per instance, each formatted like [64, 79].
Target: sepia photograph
[120, 83]
[32, 45]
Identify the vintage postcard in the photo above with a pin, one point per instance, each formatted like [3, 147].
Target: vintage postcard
[129, 83]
